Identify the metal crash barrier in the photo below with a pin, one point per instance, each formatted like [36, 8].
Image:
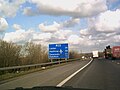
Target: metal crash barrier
[33, 66]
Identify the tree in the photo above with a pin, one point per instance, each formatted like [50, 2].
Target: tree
[74, 54]
[9, 54]
[34, 53]
[13, 54]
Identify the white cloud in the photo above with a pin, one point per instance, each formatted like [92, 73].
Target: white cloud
[19, 36]
[116, 38]
[61, 35]
[23, 36]
[49, 28]
[108, 21]
[103, 26]
[74, 8]
[28, 11]
[3, 24]
[84, 32]
[57, 26]
[102, 30]
[73, 39]
[17, 27]
[9, 9]
[70, 23]
[42, 36]
[81, 43]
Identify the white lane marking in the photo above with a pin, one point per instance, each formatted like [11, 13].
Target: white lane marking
[68, 78]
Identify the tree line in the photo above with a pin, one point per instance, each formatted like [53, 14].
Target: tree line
[12, 54]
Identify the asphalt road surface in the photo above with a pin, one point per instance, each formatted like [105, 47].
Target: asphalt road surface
[101, 74]
[49, 77]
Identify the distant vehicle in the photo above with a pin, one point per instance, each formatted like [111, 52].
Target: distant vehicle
[95, 54]
[107, 52]
[116, 52]
[112, 53]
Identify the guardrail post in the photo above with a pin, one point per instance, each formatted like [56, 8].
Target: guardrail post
[59, 61]
[66, 59]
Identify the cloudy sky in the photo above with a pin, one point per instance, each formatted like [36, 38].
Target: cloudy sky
[86, 25]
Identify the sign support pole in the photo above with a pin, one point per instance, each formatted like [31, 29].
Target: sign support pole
[59, 61]
[51, 60]
[66, 59]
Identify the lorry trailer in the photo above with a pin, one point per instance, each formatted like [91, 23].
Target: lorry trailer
[112, 53]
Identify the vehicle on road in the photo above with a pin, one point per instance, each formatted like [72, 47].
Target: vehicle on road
[95, 54]
[112, 53]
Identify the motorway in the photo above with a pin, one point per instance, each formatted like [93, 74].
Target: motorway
[100, 74]
[49, 77]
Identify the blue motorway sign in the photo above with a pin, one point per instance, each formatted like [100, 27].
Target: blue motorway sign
[57, 51]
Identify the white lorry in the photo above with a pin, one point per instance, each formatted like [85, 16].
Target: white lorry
[95, 54]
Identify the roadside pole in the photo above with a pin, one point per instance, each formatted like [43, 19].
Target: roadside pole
[51, 60]
[66, 59]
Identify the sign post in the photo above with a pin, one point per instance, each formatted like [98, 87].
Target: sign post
[58, 51]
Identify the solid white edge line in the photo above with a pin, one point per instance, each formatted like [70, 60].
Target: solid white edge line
[68, 78]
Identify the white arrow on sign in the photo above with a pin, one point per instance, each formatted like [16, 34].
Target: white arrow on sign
[61, 51]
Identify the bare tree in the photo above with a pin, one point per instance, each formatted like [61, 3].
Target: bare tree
[34, 53]
[74, 54]
[9, 54]
[12, 54]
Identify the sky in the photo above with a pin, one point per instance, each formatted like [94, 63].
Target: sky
[86, 25]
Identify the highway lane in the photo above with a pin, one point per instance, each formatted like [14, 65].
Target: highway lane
[101, 74]
[49, 77]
